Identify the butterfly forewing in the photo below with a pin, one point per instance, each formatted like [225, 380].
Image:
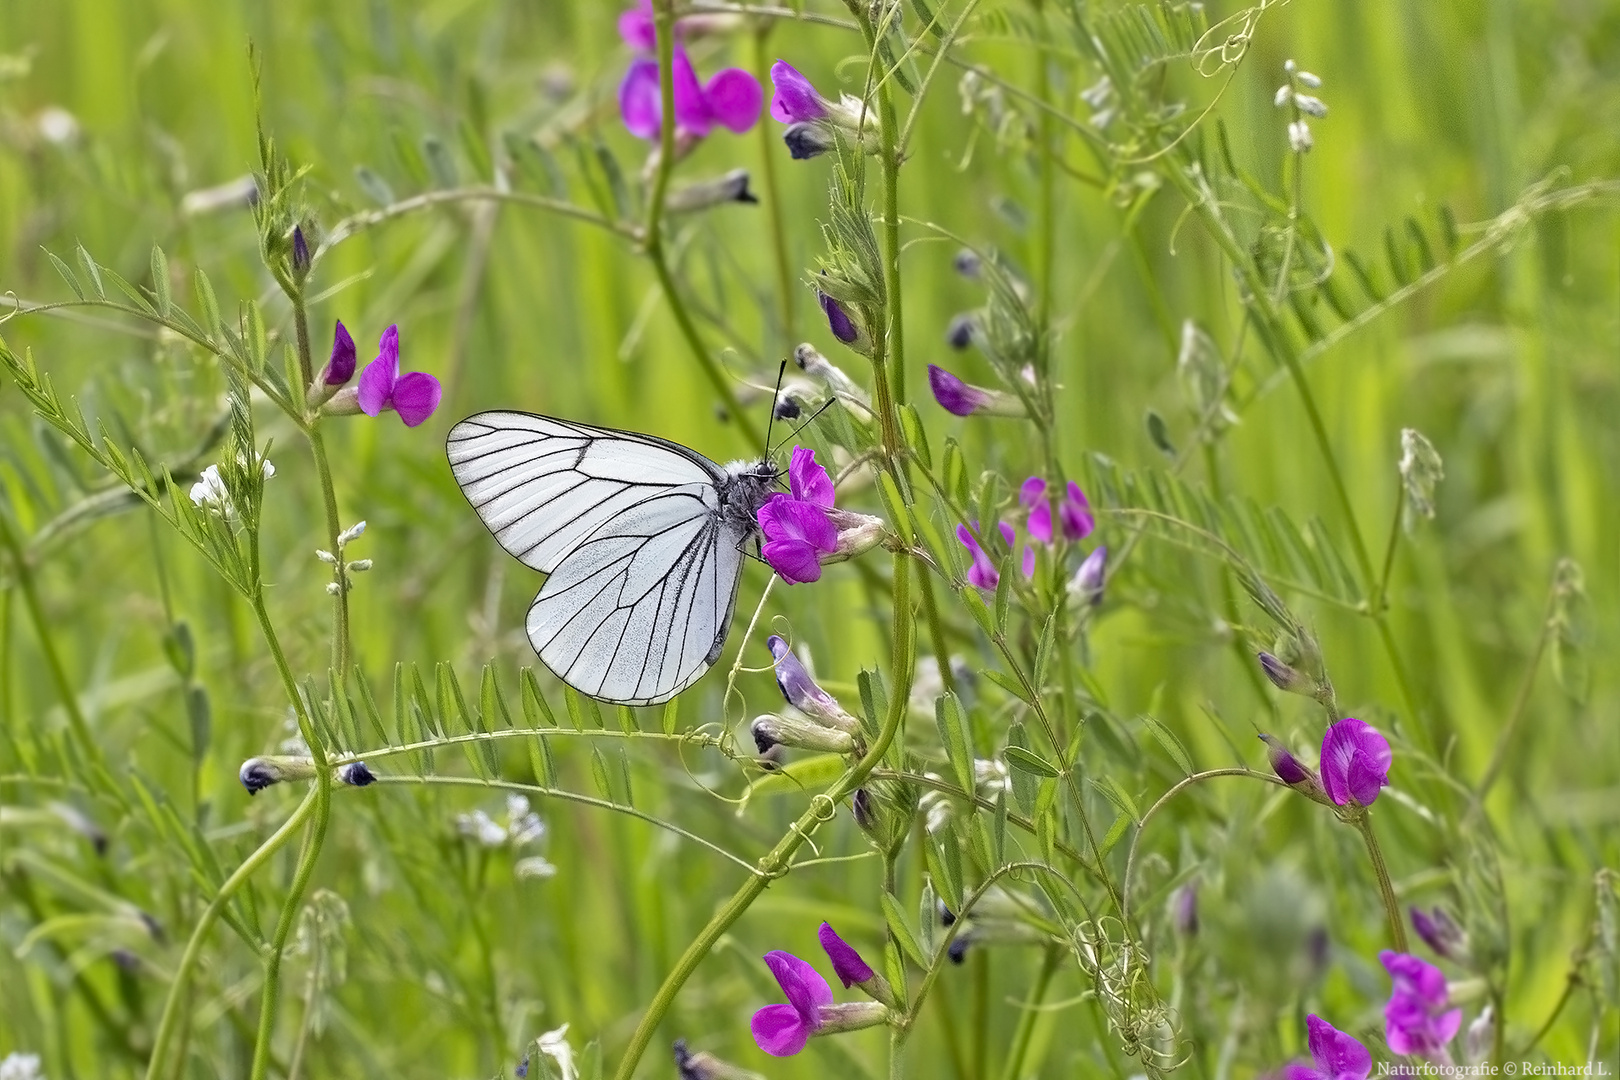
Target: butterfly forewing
[643, 565]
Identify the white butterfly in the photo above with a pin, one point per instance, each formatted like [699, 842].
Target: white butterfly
[643, 541]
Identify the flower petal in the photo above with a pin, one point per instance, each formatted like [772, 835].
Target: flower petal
[1364, 779]
[983, 572]
[734, 99]
[1029, 560]
[847, 963]
[377, 385]
[795, 100]
[691, 110]
[340, 366]
[1338, 1055]
[779, 1030]
[416, 395]
[808, 480]
[838, 321]
[1341, 745]
[639, 102]
[1075, 514]
[806, 990]
[954, 395]
[636, 27]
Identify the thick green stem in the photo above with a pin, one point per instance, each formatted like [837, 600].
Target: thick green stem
[891, 245]
[172, 1010]
[1386, 888]
[776, 863]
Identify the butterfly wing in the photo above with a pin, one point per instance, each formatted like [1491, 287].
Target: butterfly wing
[643, 568]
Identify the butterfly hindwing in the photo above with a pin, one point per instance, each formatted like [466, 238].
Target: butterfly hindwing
[643, 566]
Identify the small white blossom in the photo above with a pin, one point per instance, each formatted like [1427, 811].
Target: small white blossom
[351, 534]
[325, 556]
[534, 867]
[209, 490]
[20, 1066]
[1289, 66]
[333, 588]
[1299, 137]
[267, 469]
[360, 566]
[1307, 79]
[56, 125]
[479, 826]
[554, 1045]
[1311, 106]
[1284, 92]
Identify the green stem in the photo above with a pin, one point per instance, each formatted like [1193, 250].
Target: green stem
[897, 1053]
[1378, 597]
[172, 1010]
[334, 529]
[284, 925]
[936, 632]
[1521, 700]
[773, 195]
[891, 245]
[1386, 889]
[777, 862]
[1031, 1013]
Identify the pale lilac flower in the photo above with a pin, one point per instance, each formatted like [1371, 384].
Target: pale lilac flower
[983, 572]
[1087, 584]
[1334, 1055]
[731, 99]
[1355, 762]
[1186, 909]
[802, 692]
[1416, 1020]
[413, 395]
[782, 1030]
[1285, 676]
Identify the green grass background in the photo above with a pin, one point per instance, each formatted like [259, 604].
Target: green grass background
[1511, 366]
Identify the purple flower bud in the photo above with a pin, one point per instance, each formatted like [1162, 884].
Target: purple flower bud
[860, 804]
[1088, 582]
[300, 252]
[1440, 932]
[256, 775]
[1186, 909]
[795, 99]
[1416, 1019]
[772, 731]
[847, 963]
[968, 263]
[801, 690]
[954, 395]
[838, 321]
[1284, 763]
[808, 140]
[340, 366]
[1286, 677]
[959, 334]
[355, 774]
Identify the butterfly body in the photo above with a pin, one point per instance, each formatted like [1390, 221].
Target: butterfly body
[643, 541]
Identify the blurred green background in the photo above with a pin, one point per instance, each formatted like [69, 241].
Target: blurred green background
[113, 111]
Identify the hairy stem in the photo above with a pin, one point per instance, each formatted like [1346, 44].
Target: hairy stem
[1386, 889]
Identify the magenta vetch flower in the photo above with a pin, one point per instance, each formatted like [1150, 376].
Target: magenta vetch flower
[1032, 493]
[954, 395]
[782, 1030]
[1334, 1055]
[983, 572]
[340, 367]
[731, 99]
[797, 530]
[1074, 514]
[413, 395]
[636, 27]
[1355, 762]
[1416, 1020]
[847, 963]
[795, 100]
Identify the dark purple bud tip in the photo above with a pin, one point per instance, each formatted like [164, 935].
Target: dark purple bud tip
[838, 321]
[947, 917]
[958, 950]
[127, 961]
[968, 263]
[860, 804]
[300, 252]
[807, 140]
[1285, 676]
[847, 963]
[954, 395]
[1439, 931]
[340, 367]
[787, 409]
[355, 774]
[256, 775]
[1186, 910]
[763, 740]
[1284, 763]
[959, 334]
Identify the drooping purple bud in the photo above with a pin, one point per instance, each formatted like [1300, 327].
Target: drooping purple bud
[1440, 932]
[847, 963]
[959, 334]
[954, 395]
[1186, 909]
[340, 366]
[1087, 585]
[770, 731]
[355, 774]
[838, 321]
[860, 804]
[801, 691]
[1284, 763]
[300, 253]
[702, 1065]
[1286, 677]
[786, 409]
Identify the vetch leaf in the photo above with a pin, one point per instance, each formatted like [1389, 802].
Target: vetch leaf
[1024, 760]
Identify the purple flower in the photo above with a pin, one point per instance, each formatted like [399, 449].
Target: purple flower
[1284, 763]
[847, 963]
[838, 321]
[340, 366]
[782, 1030]
[636, 27]
[1355, 762]
[954, 395]
[795, 100]
[1335, 1055]
[414, 395]
[797, 530]
[1032, 493]
[1416, 1020]
[1440, 932]
[1074, 514]
[1186, 909]
[300, 252]
[801, 691]
[983, 572]
[731, 99]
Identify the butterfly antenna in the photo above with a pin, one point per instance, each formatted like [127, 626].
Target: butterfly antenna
[811, 419]
[776, 396]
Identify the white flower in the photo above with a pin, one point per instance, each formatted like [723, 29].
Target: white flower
[1307, 79]
[268, 469]
[351, 534]
[325, 556]
[554, 1045]
[209, 490]
[1284, 92]
[1309, 105]
[56, 125]
[523, 826]
[534, 866]
[20, 1066]
[1299, 137]
[481, 827]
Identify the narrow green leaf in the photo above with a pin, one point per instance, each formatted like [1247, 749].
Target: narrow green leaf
[535, 709]
[160, 281]
[1043, 652]
[1170, 744]
[369, 703]
[599, 773]
[91, 271]
[947, 867]
[1025, 760]
[375, 187]
[901, 930]
[1117, 795]
[954, 736]
[672, 715]
[1115, 833]
[627, 720]
[207, 302]
[916, 435]
[1013, 686]
[65, 272]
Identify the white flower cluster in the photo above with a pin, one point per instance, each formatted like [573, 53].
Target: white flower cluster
[20, 1066]
[523, 827]
[211, 493]
[1289, 94]
[358, 566]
